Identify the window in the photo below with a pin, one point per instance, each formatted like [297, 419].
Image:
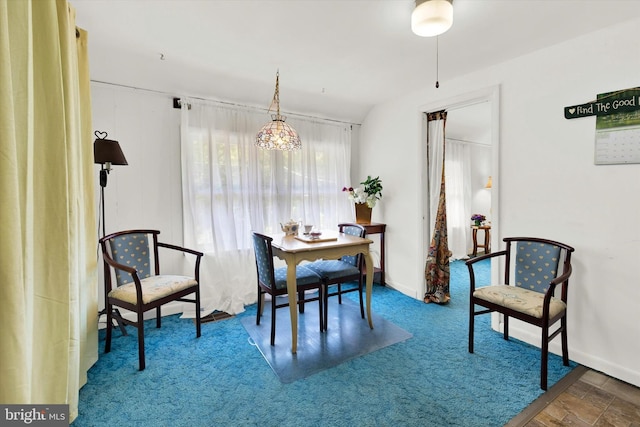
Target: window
[231, 187]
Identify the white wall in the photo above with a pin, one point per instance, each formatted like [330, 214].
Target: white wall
[480, 195]
[480, 171]
[547, 182]
[148, 192]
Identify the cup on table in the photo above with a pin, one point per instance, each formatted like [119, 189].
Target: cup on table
[307, 229]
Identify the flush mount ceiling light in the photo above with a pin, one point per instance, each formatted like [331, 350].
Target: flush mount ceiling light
[432, 17]
[277, 135]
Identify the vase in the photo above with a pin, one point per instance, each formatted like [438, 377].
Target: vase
[363, 213]
[478, 224]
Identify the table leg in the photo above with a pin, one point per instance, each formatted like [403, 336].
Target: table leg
[368, 261]
[382, 264]
[292, 293]
[475, 241]
[487, 241]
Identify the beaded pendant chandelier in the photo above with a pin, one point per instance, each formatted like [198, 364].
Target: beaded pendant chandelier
[277, 135]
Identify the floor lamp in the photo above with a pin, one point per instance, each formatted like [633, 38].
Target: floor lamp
[107, 152]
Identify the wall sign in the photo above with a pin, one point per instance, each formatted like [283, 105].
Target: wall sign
[617, 139]
[608, 103]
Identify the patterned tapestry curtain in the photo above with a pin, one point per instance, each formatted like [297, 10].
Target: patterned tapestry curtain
[436, 269]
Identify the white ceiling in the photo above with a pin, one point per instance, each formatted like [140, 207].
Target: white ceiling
[337, 58]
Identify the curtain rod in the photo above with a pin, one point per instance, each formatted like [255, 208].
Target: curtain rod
[469, 142]
[177, 103]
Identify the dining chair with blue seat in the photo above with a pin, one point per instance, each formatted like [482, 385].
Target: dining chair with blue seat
[273, 281]
[340, 271]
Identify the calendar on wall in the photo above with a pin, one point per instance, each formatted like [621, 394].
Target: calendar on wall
[618, 134]
[617, 137]
[617, 146]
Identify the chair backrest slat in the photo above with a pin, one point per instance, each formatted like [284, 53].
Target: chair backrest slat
[131, 250]
[536, 264]
[352, 230]
[264, 259]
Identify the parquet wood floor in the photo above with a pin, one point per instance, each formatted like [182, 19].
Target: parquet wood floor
[586, 398]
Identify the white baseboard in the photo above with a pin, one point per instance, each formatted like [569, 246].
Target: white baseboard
[605, 366]
[411, 292]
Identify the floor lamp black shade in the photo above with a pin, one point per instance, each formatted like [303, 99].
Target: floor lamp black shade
[106, 152]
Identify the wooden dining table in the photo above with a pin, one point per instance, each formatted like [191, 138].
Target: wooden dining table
[331, 245]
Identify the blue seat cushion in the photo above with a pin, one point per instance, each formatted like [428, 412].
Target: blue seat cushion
[333, 269]
[304, 276]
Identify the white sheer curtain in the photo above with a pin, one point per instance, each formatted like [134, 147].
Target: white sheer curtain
[458, 178]
[230, 187]
[435, 147]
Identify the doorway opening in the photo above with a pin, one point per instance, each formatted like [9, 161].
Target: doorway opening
[472, 125]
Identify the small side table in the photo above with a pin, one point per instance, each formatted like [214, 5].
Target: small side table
[487, 239]
[377, 228]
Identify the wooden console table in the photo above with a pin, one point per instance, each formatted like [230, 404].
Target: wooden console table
[377, 228]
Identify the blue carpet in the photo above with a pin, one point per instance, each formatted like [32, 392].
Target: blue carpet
[221, 379]
[348, 336]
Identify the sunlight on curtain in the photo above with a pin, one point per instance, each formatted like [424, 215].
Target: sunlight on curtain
[47, 250]
[230, 187]
[458, 177]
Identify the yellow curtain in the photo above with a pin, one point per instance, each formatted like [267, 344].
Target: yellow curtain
[48, 257]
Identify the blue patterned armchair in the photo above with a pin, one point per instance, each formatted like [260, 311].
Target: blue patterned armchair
[534, 267]
[130, 256]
